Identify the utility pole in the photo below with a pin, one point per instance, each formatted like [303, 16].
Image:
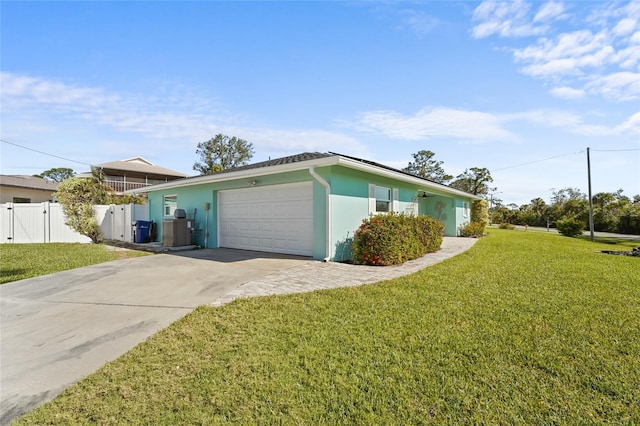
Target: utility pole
[590, 197]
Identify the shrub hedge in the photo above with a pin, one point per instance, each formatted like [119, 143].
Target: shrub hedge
[392, 239]
[472, 229]
[480, 213]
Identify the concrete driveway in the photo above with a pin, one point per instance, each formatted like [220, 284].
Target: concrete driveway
[59, 328]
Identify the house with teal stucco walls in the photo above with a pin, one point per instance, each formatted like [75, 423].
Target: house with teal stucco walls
[308, 204]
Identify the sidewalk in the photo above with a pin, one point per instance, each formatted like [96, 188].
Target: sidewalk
[316, 275]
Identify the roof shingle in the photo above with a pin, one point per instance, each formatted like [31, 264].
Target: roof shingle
[31, 182]
[305, 156]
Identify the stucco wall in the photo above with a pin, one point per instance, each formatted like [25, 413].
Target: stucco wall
[35, 195]
[350, 204]
[443, 209]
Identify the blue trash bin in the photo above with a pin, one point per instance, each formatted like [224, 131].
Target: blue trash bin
[143, 229]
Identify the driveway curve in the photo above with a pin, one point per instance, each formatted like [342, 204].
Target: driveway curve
[58, 328]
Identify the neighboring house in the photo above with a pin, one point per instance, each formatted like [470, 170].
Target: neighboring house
[308, 204]
[134, 173]
[26, 189]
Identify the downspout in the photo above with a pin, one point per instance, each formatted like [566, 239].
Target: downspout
[327, 189]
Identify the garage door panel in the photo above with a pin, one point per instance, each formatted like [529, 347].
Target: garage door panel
[280, 244]
[282, 210]
[271, 218]
[266, 210]
[297, 210]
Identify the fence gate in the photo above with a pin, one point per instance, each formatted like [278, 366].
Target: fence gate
[30, 225]
[120, 231]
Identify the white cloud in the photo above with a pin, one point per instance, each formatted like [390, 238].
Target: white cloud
[473, 126]
[504, 18]
[597, 59]
[607, 12]
[567, 93]
[568, 54]
[151, 118]
[575, 123]
[97, 106]
[629, 57]
[547, 118]
[18, 90]
[553, 68]
[482, 127]
[625, 27]
[621, 86]
[419, 22]
[630, 126]
[549, 11]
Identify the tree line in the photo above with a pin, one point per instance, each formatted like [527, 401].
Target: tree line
[612, 211]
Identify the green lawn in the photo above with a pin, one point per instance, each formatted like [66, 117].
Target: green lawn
[621, 244]
[524, 328]
[20, 261]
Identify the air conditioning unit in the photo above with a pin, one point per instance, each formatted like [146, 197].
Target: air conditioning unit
[177, 232]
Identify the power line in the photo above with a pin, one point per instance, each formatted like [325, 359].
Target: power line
[616, 150]
[43, 153]
[538, 161]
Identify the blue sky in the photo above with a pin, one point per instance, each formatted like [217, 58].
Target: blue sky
[481, 84]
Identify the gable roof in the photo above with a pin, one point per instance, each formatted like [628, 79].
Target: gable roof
[139, 165]
[303, 161]
[30, 182]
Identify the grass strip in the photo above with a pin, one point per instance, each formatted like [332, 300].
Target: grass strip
[20, 261]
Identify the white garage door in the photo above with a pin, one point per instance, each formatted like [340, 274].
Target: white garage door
[277, 218]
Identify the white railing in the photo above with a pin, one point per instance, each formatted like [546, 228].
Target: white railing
[121, 186]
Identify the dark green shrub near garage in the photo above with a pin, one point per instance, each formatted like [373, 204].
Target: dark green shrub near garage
[392, 239]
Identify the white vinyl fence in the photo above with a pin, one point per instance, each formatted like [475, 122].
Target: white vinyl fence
[45, 223]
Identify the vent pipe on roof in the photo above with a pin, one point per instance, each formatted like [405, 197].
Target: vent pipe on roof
[327, 189]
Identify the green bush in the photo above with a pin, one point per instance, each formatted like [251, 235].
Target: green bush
[430, 232]
[480, 213]
[77, 197]
[505, 225]
[570, 227]
[472, 229]
[392, 239]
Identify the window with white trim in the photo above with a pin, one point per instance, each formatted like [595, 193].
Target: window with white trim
[465, 208]
[382, 199]
[169, 204]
